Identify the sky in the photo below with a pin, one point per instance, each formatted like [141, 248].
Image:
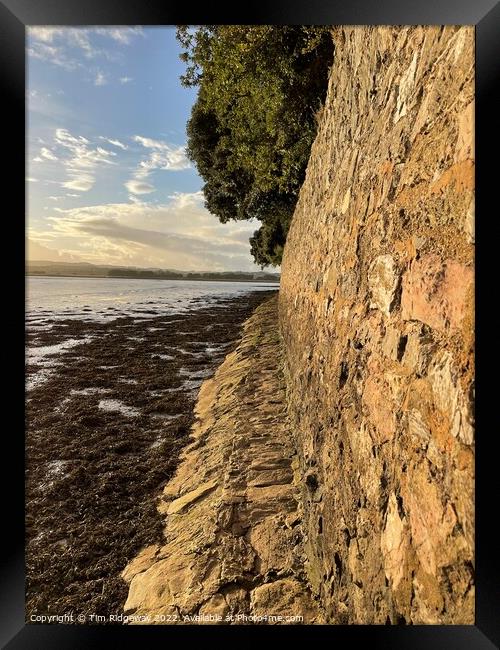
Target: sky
[107, 177]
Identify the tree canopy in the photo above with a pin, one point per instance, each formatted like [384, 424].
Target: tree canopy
[253, 123]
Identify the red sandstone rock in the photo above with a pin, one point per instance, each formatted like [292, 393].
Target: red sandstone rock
[436, 292]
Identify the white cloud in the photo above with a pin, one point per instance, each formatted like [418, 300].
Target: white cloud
[47, 154]
[45, 34]
[56, 55]
[79, 160]
[80, 182]
[123, 35]
[115, 143]
[163, 156]
[30, 179]
[126, 80]
[100, 79]
[183, 200]
[56, 198]
[81, 38]
[105, 153]
[64, 137]
[83, 160]
[139, 187]
[58, 45]
[149, 143]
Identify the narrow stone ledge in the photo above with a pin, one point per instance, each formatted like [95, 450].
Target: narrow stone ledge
[229, 550]
[178, 505]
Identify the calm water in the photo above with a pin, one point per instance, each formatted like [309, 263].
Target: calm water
[108, 298]
[95, 300]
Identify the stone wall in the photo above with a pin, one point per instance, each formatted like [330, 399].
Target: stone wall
[376, 311]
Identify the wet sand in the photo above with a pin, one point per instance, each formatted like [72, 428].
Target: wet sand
[103, 436]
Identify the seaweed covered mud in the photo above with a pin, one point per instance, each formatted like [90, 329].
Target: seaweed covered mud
[109, 407]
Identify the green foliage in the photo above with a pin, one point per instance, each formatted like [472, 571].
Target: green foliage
[253, 123]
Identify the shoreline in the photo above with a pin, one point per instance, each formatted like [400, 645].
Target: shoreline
[104, 433]
[127, 277]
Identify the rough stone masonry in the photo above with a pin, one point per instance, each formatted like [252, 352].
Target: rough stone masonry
[376, 312]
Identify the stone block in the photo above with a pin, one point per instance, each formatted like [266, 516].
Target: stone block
[383, 282]
[437, 292]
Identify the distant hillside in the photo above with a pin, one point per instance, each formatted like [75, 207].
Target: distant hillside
[85, 269]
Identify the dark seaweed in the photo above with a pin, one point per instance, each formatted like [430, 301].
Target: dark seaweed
[89, 515]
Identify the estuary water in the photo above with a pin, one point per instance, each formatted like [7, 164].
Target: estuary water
[104, 299]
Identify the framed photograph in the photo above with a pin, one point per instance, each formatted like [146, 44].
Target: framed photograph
[247, 308]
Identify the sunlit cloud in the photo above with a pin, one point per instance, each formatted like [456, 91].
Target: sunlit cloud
[149, 143]
[64, 137]
[115, 143]
[47, 154]
[83, 160]
[80, 182]
[180, 233]
[126, 80]
[139, 187]
[36, 250]
[163, 156]
[192, 200]
[45, 34]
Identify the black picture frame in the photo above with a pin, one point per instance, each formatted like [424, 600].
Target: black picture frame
[15, 15]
